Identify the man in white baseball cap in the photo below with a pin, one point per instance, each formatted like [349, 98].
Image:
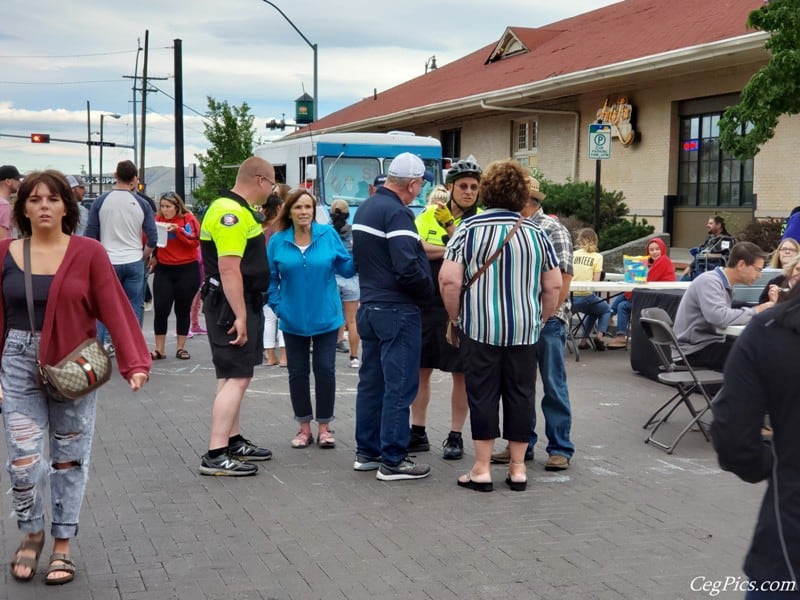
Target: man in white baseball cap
[395, 279]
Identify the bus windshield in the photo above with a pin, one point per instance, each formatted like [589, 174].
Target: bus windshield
[349, 178]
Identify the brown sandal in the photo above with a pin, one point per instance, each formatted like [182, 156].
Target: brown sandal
[64, 565]
[182, 354]
[27, 561]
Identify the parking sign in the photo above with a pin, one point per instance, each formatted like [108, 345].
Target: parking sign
[599, 141]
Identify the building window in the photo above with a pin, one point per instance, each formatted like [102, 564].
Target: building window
[451, 143]
[527, 136]
[708, 176]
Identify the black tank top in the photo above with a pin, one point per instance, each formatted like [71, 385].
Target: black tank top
[14, 303]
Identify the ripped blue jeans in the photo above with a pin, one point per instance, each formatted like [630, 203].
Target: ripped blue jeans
[27, 416]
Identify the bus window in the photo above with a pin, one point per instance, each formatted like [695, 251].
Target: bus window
[347, 178]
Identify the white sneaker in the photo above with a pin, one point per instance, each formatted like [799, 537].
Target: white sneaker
[109, 348]
[148, 306]
[354, 362]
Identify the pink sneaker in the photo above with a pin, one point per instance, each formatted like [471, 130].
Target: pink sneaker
[197, 330]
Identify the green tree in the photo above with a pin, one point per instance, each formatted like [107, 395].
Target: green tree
[774, 90]
[229, 130]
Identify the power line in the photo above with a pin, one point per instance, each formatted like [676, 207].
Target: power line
[75, 55]
[173, 99]
[59, 82]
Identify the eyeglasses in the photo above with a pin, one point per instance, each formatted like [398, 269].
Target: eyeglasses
[788, 250]
[169, 196]
[272, 183]
[468, 186]
[759, 269]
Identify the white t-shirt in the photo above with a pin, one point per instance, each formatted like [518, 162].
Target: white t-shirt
[121, 219]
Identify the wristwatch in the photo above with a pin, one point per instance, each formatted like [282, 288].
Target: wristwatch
[449, 224]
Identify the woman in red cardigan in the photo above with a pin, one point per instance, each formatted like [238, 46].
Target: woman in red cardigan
[660, 269]
[74, 286]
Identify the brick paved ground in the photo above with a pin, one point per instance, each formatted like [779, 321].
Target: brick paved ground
[626, 520]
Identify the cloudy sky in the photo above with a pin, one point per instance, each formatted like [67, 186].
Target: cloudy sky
[55, 55]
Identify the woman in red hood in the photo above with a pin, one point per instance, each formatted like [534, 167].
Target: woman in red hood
[661, 269]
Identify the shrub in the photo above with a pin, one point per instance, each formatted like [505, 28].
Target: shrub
[765, 233]
[622, 232]
[576, 198]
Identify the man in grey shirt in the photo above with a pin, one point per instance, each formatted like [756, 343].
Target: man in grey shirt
[117, 220]
[705, 308]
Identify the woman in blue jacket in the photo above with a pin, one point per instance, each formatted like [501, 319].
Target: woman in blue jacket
[304, 257]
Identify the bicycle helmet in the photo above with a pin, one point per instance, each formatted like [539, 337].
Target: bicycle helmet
[463, 168]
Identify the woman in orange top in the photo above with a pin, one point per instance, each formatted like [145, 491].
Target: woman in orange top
[176, 273]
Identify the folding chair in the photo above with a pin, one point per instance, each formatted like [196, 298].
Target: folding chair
[657, 325]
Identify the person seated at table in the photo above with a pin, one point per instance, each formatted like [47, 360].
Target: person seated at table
[777, 289]
[784, 255]
[660, 268]
[587, 264]
[710, 253]
[705, 308]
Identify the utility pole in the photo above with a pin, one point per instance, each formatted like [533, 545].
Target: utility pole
[179, 174]
[144, 105]
[89, 144]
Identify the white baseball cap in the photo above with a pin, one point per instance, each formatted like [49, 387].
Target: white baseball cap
[408, 166]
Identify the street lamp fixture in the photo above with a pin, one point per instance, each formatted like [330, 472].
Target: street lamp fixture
[430, 64]
[102, 116]
[313, 47]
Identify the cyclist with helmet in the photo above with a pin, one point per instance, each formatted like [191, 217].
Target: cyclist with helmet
[435, 225]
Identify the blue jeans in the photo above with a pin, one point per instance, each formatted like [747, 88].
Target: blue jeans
[623, 307]
[324, 363]
[131, 276]
[391, 338]
[593, 306]
[28, 416]
[555, 403]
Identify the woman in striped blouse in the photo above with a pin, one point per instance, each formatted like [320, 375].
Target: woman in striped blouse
[500, 316]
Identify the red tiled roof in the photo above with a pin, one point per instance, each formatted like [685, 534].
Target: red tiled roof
[616, 33]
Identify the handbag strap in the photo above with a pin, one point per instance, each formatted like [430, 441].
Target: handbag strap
[26, 269]
[495, 255]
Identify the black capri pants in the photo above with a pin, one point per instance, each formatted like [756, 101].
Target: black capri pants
[174, 285]
[493, 373]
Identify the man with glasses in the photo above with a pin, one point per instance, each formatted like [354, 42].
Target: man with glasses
[236, 277]
[394, 280]
[705, 308]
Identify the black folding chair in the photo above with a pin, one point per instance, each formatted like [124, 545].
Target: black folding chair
[686, 380]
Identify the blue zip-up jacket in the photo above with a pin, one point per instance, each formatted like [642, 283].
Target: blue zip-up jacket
[302, 287]
[392, 265]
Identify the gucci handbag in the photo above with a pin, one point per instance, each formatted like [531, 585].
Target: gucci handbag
[83, 370]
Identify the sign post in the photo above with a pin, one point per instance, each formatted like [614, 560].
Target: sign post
[599, 149]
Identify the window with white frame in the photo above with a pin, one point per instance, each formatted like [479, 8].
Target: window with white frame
[527, 137]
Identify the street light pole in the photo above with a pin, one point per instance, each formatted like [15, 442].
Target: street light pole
[102, 116]
[313, 47]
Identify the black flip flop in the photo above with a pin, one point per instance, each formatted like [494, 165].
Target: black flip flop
[478, 486]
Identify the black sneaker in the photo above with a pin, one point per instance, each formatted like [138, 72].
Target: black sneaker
[365, 463]
[453, 447]
[418, 442]
[224, 464]
[247, 450]
[405, 470]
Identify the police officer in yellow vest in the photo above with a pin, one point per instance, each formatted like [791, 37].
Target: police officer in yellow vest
[237, 276]
[435, 225]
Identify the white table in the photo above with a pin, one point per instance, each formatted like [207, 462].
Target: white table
[619, 287]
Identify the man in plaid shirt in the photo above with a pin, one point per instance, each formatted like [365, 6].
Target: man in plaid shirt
[552, 339]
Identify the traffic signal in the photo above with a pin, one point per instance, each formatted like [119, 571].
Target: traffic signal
[40, 138]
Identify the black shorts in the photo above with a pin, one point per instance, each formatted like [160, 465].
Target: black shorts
[230, 361]
[436, 352]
